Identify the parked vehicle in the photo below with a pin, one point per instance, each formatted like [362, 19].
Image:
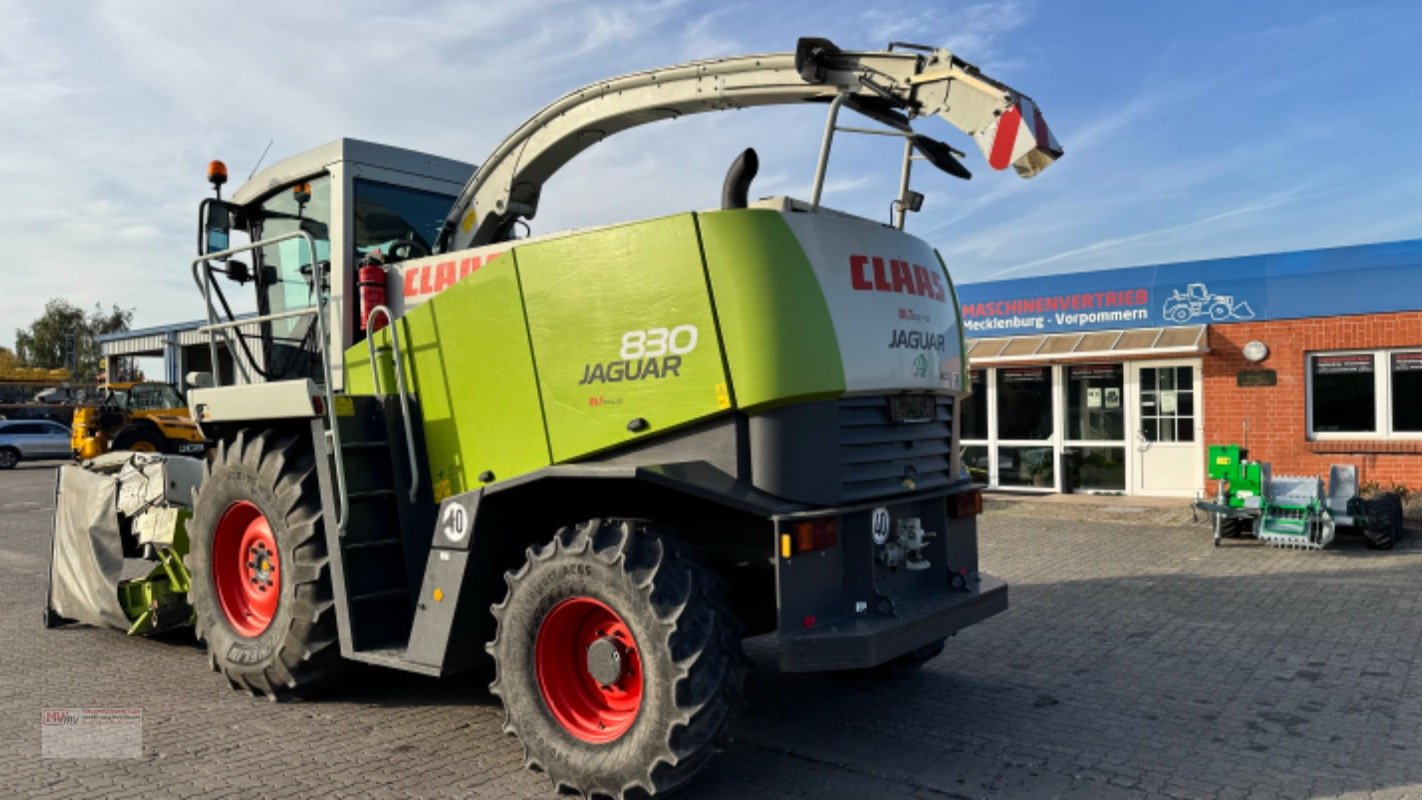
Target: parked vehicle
[31, 440]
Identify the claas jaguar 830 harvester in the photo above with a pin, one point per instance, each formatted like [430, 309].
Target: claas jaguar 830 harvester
[596, 459]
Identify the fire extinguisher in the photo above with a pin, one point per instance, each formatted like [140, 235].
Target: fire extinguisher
[371, 280]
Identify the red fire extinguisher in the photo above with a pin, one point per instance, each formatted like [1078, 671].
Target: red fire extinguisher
[371, 280]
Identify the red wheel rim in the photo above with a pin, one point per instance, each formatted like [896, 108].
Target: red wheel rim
[246, 569]
[593, 694]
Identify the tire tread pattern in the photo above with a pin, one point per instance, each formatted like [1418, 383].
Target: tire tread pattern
[700, 633]
[307, 656]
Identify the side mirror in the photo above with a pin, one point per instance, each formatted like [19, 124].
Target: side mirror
[941, 155]
[216, 226]
[238, 272]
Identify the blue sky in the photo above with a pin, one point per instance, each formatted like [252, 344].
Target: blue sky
[1192, 130]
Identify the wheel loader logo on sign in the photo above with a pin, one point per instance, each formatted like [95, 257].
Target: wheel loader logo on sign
[1197, 302]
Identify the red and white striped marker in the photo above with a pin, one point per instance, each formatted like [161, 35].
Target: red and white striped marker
[1016, 134]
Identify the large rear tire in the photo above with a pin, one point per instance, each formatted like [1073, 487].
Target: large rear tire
[617, 661]
[261, 588]
[1382, 521]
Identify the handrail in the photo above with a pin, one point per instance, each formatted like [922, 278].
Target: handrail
[399, 386]
[823, 161]
[238, 323]
[324, 335]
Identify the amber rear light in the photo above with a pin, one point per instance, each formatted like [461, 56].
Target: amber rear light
[965, 504]
[815, 534]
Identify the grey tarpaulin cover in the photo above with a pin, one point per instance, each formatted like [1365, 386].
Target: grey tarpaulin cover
[87, 558]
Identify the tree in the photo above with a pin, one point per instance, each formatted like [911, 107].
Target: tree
[64, 336]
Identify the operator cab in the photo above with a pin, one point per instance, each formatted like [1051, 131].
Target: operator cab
[336, 205]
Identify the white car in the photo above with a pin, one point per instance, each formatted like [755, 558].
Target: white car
[32, 439]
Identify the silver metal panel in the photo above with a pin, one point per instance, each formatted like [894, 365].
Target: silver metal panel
[258, 401]
[320, 159]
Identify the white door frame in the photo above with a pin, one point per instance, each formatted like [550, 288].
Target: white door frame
[1134, 450]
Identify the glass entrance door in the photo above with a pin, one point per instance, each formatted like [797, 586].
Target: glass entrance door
[1165, 428]
[1095, 441]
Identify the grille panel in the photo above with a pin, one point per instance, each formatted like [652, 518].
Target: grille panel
[878, 455]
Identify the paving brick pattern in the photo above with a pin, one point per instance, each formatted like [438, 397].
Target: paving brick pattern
[1137, 661]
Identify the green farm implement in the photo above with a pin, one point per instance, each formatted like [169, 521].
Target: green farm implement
[1293, 511]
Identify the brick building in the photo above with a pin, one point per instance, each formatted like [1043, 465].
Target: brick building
[1115, 380]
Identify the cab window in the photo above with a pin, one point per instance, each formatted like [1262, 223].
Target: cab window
[289, 280]
[150, 396]
[385, 213]
[288, 274]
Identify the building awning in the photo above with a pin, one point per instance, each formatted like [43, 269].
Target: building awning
[1174, 341]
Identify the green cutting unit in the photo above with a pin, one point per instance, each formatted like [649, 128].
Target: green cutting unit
[1293, 511]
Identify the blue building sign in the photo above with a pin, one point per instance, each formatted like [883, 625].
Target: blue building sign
[1339, 281]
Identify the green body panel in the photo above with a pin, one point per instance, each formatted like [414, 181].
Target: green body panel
[766, 292]
[622, 330]
[159, 600]
[1245, 479]
[467, 359]
[566, 347]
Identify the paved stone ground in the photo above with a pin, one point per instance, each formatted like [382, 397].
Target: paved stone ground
[1137, 661]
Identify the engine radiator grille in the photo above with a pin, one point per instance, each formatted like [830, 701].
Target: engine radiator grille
[880, 457]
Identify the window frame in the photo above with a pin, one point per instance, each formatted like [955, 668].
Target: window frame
[1382, 396]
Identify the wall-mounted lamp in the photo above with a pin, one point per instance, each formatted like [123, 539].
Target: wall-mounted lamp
[1256, 351]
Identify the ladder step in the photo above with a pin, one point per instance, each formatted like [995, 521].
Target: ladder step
[364, 445]
[371, 494]
[382, 593]
[375, 543]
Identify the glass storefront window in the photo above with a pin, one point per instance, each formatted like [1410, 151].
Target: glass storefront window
[974, 407]
[1026, 466]
[1024, 403]
[1098, 468]
[1406, 392]
[1095, 410]
[1168, 404]
[1344, 393]
[975, 462]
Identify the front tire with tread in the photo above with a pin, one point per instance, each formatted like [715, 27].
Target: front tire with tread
[298, 652]
[688, 644]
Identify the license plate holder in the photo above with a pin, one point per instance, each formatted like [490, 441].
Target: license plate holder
[907, 409]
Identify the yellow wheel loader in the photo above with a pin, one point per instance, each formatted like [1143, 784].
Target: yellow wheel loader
[143, 416]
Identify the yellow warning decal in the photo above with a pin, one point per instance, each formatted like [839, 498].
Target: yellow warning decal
[442, 490]
[345, 406]
[467, 224]
[723, 396]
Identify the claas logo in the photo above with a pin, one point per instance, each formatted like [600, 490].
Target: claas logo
[876, 274]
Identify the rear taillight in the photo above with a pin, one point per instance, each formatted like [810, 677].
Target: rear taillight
[965, 504]
[809, 535]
